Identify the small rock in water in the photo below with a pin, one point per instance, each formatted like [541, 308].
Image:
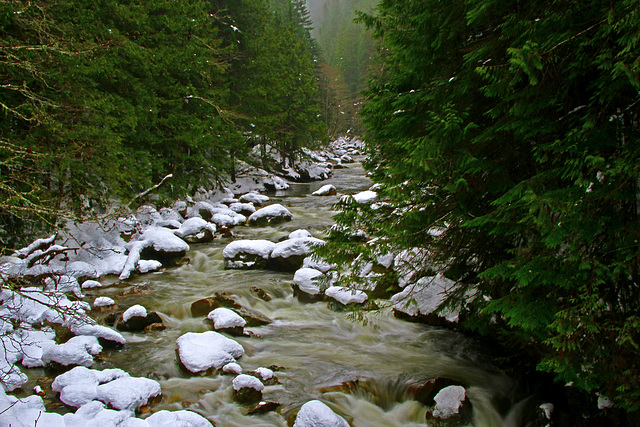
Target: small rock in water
[316, 414]
[247, 389]
[326, 190]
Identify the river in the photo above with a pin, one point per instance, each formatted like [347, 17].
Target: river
[315, 348]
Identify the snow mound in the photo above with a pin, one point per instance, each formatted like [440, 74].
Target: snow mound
[223, 318]
[345, 295]
[114, 387]
[202, 351]
[316, 414]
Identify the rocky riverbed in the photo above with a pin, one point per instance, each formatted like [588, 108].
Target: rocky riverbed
[214, 311]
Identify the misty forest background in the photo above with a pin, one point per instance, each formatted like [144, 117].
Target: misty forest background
[510, 127]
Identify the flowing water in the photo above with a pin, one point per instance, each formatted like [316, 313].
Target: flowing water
[315, 348]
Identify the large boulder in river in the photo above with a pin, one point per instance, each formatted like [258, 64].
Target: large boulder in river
[200, 352]
[247, 254]
[290, 254]
[196, 230]
[156, 243]
[270, 215]
[305, 285]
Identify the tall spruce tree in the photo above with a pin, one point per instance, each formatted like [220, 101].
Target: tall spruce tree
[511, 129]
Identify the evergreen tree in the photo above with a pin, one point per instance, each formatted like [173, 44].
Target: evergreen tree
[512, 130]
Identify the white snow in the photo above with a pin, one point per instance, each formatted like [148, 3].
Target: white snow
[88, 284]
[366, 197]
[304, 278]
[193, 226]
[232, 368]
[225, 318]
[299, 233]
[134, 311]
[77, 350]
[115, 387]
[247, 381]
[147, 265]
[296, 246]
[325, 190]
[253, 197]
[318, 264]
[345, 295]
[242, 207]
[425, 296]
[265, 373]
[103, 302]
[316, 414]
[271, 211]
[448, 401]
[261, 248]
[201, 351]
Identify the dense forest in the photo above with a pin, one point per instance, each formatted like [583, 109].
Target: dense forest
[504, 140]
[100, 101]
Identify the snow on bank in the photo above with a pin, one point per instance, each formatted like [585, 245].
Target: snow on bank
[425, 296]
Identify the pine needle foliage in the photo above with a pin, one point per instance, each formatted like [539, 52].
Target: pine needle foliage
[513, 128]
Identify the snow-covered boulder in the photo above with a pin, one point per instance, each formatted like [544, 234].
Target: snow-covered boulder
[300, 233]
[90, 284]
[288, 255]
[232, 368]
[77, 350]
[217, 213]
[366, 197]
[254, 198]
[247, 254]
[326, 190]
[196, 230]
[114, 387]
[424, 297]
[202, 351]
[346, 295]
[270, 215]
[227, 320]
[450, 402]
[155, 243]
[318, 264]
[136, 318]
[245, 209]
[305, 286]
[103, 302]
[316, 414]
[247, 389]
